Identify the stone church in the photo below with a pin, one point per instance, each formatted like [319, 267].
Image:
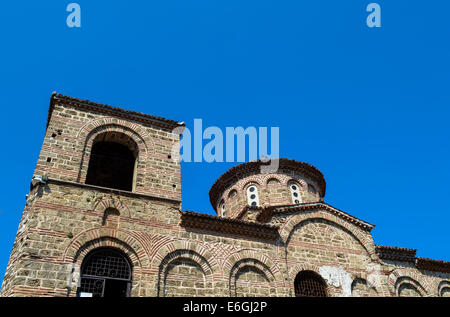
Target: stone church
[103, 218]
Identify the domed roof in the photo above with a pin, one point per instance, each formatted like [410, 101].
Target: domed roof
[254, 167]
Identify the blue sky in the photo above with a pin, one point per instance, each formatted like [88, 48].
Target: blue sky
[368, 107]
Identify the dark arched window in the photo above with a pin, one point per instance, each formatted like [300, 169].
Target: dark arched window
[111, 218]
[105, 272]
[310, 284]
[112, 161]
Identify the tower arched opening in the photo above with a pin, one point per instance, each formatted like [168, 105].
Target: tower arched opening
[113, 161]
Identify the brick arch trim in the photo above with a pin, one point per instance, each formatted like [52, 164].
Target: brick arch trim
[252, 263]
[164, 250]
[414, 277]
[299, 182]
[77, 257]
[248, 182]
[296, 269]
[110, 122]
[111, 202]
[271, 177]
[106, 242]
[187, 254]
[442, 284]
[249, 254]
[88, 240]
[182, 254]
[87, 136]
[255, 263]
[142, 144]
[294, 221]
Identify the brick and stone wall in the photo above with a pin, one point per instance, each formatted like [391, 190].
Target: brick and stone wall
[169, 260]
[179, 254]
[273, 189]
[71, 133]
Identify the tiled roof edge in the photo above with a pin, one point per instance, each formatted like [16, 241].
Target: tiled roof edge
[226, 225]
[409, 255]
[432, 265]
[395, 253]
[115, 111]
[308, 206]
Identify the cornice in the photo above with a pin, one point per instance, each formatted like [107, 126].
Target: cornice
[321, 205]
[206, 222]
[409, 255]
[111, 111]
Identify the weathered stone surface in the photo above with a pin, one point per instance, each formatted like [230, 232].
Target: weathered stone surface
[64, 220]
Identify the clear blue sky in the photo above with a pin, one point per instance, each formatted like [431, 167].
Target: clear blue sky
[368, 107]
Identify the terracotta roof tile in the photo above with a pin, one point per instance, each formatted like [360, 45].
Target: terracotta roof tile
[395, 253]
[230, 226]
[432, 265]
[114, 111]
[310, 206]
[409, 255]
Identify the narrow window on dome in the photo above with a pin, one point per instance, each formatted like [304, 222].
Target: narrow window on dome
[295, 193]
[232, 193]
[252, 196]
[224, 211]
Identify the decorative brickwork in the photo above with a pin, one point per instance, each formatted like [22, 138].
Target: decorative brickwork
[244, 251]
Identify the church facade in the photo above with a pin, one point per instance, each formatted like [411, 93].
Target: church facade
[103, 218]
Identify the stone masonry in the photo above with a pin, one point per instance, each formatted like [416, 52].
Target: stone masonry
[255, 246]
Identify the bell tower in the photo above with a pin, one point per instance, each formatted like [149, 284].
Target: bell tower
[104, 176]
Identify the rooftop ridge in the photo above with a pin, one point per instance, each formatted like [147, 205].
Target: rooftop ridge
[409, 255]
[304, 206]
[107, 109]
[208, 222]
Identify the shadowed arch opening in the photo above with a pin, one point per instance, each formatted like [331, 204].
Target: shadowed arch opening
[444, 289]
[105, 272]
[113, 161]
[111, 218]
[310, 284]
[408, 287]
